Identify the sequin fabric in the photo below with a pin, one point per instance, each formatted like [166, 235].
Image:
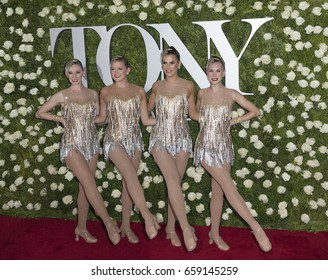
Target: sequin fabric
[214, 144]
[123, 129]
[171, 131]
[80, 133]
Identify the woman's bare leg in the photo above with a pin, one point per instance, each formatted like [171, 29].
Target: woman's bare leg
[181, 163]
[216, 205]
[169, 169]
[125, 166]
[85, 175]
[223, 178]
[127, 204]
[83, 208]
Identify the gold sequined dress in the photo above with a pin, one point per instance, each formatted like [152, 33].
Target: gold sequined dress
[80, 133]
[214, 144]
[171, 131]
[123, 125]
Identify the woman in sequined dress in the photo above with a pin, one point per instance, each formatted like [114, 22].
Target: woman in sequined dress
[214, 149]
[122, 104]
[170, 141]
[79, 146]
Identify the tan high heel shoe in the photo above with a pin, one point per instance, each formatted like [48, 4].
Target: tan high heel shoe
[152, 227]
[189, 238]
[218, 241]
[128, 232]
[172, 235]
[113, 232]
[262, 240]
[88, 238]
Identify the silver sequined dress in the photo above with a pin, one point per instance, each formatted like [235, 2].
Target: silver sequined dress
[80, 133]
[123, 125]
[213, 144]
[171, 131]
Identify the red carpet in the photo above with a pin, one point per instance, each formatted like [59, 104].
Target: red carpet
[53, 239]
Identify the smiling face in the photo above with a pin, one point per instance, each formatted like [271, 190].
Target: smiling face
[170, 65]
[119, 71]
[75, 74]
[215, 72]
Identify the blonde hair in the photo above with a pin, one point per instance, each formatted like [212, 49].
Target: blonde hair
[72, 62]
[214, 59]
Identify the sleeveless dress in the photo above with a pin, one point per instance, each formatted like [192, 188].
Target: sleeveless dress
[123, 125]
[80, 133]
[214, 144]
[171, 131]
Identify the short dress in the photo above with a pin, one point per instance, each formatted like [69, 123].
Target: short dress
[80, 133]
[123, 126]
[214, 144]
[171, 131]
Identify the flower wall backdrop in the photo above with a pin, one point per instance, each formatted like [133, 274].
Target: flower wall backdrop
[281, 157]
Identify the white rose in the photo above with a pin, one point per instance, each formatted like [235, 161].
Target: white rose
[290, 147]
[295, 201]
[318, 176]
[271, 164]
[9, 88]
[54, 204]
[185, 186]
[118, 208]
[305, 218]
[230, 10]
[259, 174]
[170, 5]
[242, 133]
[323, 149]
[250, 160]
[161, 204]
[116, 193]
[159, 217]
[69, 176]
[68, 199]
[308, 190]
[157, 2]
[324, 128]
[313, 204]
[300, 130]
[299, 21]
[322, 105]
[259, 74]
[285, 176]
[158, 179]
[262, 89]
[283, 213]
[242, 152]
[269, 211]
[258, 6]
[316, 11]
[248, 183]
[179, 11]
[325, 185]
[321, 202]
[288, 47]
[291, 76]
[191, 196]
[267, 184]
[275, 151]
[263, 198]
[200, 208]
[143, 15]
[160, 11]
